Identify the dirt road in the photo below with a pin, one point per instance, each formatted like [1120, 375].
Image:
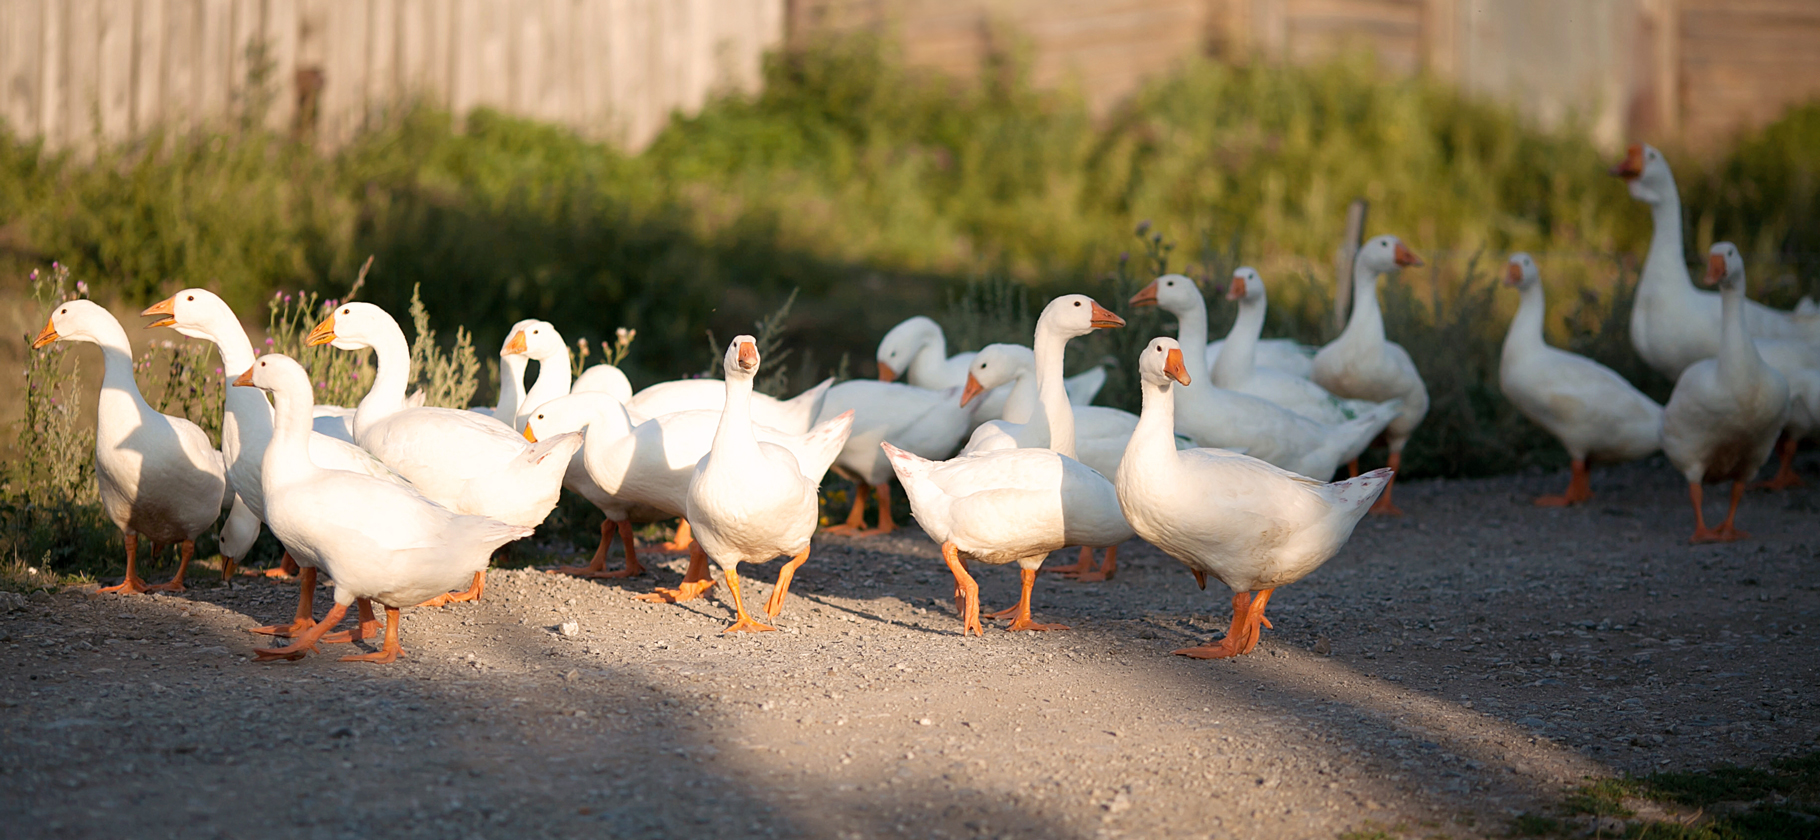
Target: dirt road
[1450, 669]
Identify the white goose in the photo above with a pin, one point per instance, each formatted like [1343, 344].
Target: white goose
[467, 463]
[605, 379]
[1592, 410]
[543, 345]
[1361, 365]
[928, 423]
[1284, 356]
[1215, 417]
[1672, 324]
[1723, 418]
[794, 415]
[916, 351]
[160, 477]
[649, 469]
[1252, 526]
[512, 366]
[1017, 505]
[246, 430]
[750, 501]
[1237, 368]
[380, 540]
[600, 417]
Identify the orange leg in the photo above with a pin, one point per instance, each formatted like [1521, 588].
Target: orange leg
[1106, 569]
[307, 641]
[744, 623]
[695, 583]
[856, 518]
[132, 585]
[886, 524]
[367, 627]
[682, 540]
[1726, 528]
[286, 567]
[1786, 476]
[1703, 534]
[1022, 620]
[1352, 469]
[473, 592]
[306, 602]
[1080, 567]
[1384, 507]
[1579, 488]
[597, 567]
[391, 651]
[186, 550]
[1247, 615]
[966, 592]
[776, 603]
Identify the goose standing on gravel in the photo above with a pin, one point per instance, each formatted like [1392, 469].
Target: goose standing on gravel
[160, 477]
[1723, 418]
[604, 421]
[467, 463]
[1017, 505]
[1672, 324]
[1237, 367]
[380, 540]
[749, 501]
[1361, 365]
[1216, 417]
[1592, 410]
[916, 351]
[1252, 526]
[929, 423]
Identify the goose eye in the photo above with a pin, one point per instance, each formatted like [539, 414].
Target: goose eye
[189, 297]
[1077, 303]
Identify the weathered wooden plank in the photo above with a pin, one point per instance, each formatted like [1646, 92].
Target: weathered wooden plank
[21, 65]
[81, 38]
[279, 27]
[52, 81]
[382, 71]
[463, 55]
[527, 60]
[114, 68]
[494, 56]
[214, 64]
[148, 67]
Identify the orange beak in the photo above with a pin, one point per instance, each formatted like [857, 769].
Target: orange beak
[515, 346]
[1715, 269]
[1145, 296]
[1103, 318]
[530, 435]
[245, 379]
[322, 334]
[886, 374]
[167, 308]
[1406, 257]
[1237, 289]
[972, 390]
[1631, 168]
[748, 355]
[1513, 274]
[46, 336]
[1173, 365]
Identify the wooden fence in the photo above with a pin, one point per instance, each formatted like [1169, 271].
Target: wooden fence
[78, 71]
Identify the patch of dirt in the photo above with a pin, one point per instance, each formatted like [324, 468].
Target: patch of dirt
[1449, 670]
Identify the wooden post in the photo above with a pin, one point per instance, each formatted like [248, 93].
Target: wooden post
[1342, 261]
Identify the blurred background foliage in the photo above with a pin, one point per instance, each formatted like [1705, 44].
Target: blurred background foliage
[873, 192]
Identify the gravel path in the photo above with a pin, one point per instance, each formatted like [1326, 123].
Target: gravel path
[1468, 662]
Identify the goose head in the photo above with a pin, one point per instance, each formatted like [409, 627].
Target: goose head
[1646, 172]
[353, 326]
[1076, 315]
[77, 320]
[1172, 292]
[534, 339]
[1724, 267]
[903, 343]
[1246, 285]
[197, 313]
[1161, 364]
[995, 365]
[1386, 255]
[741, 362]
[276, 372]
[1520, 271]
[596, 412]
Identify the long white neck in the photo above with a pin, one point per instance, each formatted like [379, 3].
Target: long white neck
[117, 383]
[734, 434]
[1239, 354]
[926, 367]
[1050, 390]
[1665, 267]
[1738, 358]
[252, 414]
[387, 394]
[1526, 329]
[1021, 402]
[287, 457]
[1153, 441]
[511, 386]
[553, 380]
[231, 342]
[1191, 333]
[1367, 322]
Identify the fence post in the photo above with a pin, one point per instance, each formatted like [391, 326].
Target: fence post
[1342, 261]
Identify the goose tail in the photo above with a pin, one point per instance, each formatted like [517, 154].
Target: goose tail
[823, 444]
[1352, 498]
[808, 404]
[1351, 437]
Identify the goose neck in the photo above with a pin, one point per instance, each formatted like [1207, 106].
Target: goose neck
[1526, 328]
[511, 384]
[1021, 403]
[1737, 353]
[1238, 355]
[926, 366]
[554, 378]
[1665, 266]
[1367, 321]
[287, 457]
[734, 434]
[1051, 392]
[117, 364]
[393, 357]
[1153, 440]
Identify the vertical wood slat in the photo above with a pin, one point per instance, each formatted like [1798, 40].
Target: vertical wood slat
[82, 34]
[21, 65]
[382, 76]
[114, 69]
[279, 24]
[148, 66]
[214, 52]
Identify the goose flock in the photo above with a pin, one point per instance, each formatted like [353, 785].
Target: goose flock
[1228, 467]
